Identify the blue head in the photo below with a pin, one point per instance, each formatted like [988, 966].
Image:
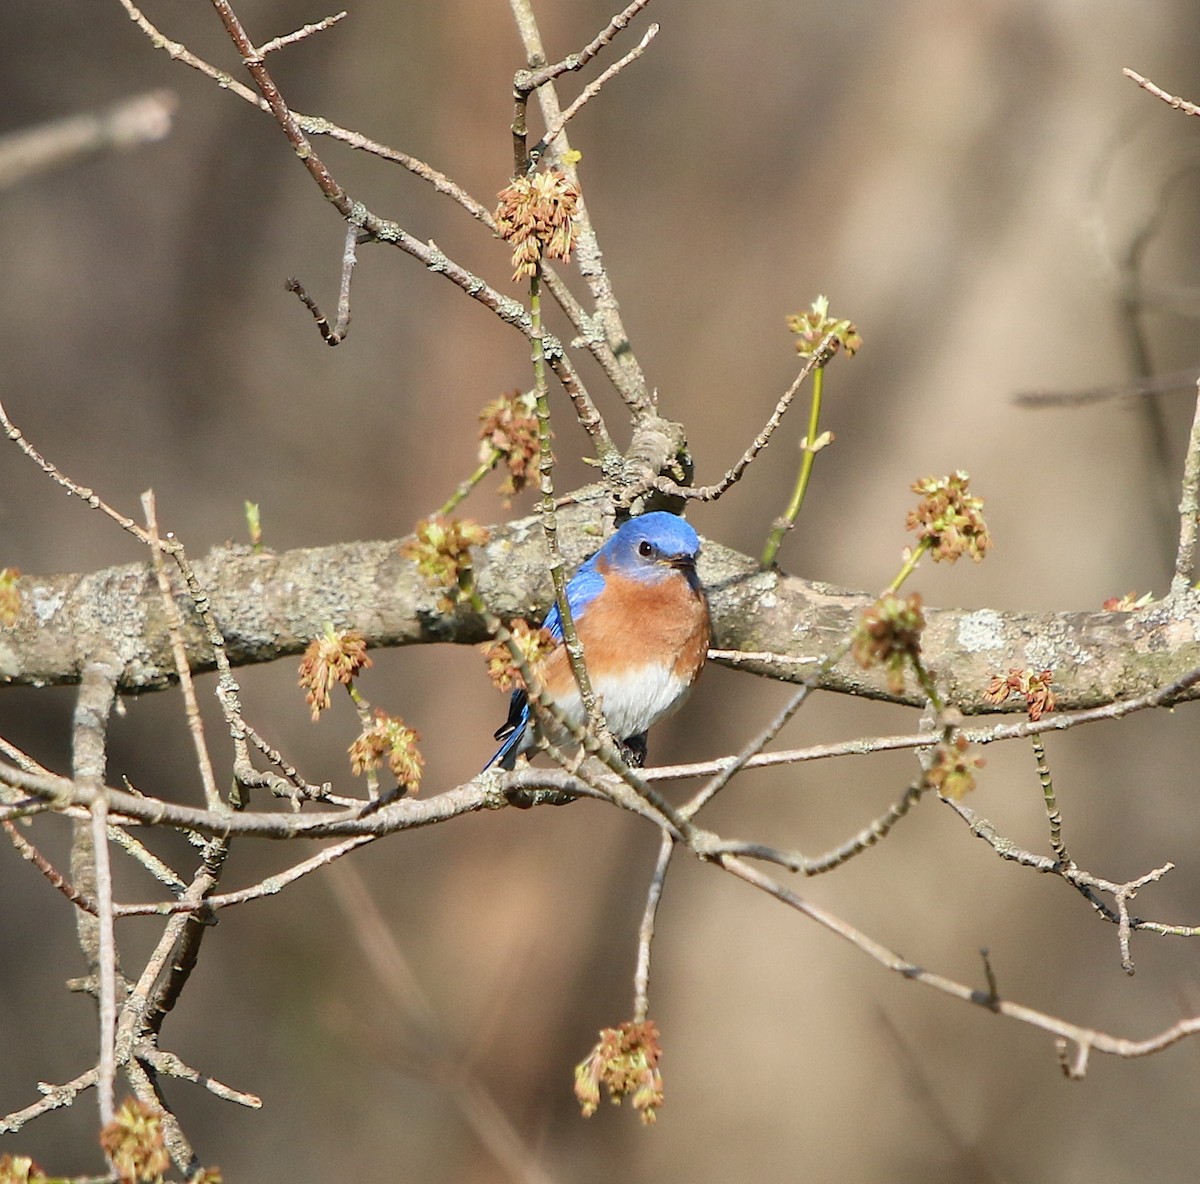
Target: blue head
[651, 548]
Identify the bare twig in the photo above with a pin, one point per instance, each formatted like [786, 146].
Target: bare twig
[212, 795]
[587, 94]
[29, 852]
[170, 1064]
[88, 496]
[632, 386]
[710, 493]
[877, 952]
[1087, 884]
[1157, 91]
[90, 864]
[641, 976]
[143, 1078]
[1053, 814]
[755, 746]
[349, 257]
[54, 1097]
[795, 861]
[530, 80]
[300, 34]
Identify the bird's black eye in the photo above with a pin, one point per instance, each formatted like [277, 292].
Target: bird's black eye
[645, 549]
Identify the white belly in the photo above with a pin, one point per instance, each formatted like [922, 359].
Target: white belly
[633, 702]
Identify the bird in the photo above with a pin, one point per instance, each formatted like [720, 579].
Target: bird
[641, 615]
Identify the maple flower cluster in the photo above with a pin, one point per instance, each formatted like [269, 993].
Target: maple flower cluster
[509, 425]
[537, 215]
[441, 549]
[952, 770]
[390, 739]
[329, 660]
[950, 518]
[134, 1142]
[888, 634]
[534, 645]
[1031, 685]
[625, 1061]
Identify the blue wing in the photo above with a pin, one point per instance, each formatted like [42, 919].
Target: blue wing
[585, 586]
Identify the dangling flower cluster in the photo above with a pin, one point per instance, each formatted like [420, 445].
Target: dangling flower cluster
[535, 645]
[392, 740]
[889, 634]
[509, 425]
[812, 327]
[134, 1142]
[625, 1061]
[10, 595]
[950, 518]
[1032, 685]
[537, 215]
[441, 549]
[952, 771]
[331, 659]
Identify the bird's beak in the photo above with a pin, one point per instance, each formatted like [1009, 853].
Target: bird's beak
[683, 562]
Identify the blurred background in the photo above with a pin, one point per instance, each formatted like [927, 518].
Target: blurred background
[997, 209]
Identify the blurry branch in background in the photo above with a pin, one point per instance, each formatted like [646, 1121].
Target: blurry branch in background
[1134, 388]
[434, 1049]
[127, 124]
[1123, 257]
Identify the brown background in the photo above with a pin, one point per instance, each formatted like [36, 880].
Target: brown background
[960, 178]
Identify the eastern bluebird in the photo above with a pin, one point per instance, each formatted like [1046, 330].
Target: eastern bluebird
[642, 618]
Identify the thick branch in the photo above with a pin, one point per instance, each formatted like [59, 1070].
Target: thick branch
[270, 606]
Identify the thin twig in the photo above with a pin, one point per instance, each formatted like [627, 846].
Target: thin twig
[31, 854]
[877, 952]
[1087, 884]
[710, 493]
[1157, 91]
[588, 93]
[795, 861]
[337, 334]
[90, 863]
[89, 497]
[146, 1089]
[300, 34]
[54, 1097]
[751, 750]
[212, 795]
[632, 386]
[1053, 814]
[530, 80]
[107, 965]
[641, 976]
[170, 1064]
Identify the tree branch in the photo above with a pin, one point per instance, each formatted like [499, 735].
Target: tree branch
[271, 606]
